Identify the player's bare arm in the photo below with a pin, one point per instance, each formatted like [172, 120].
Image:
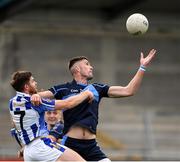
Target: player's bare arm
[74, 100]
[36, 98]
[134, 84]
[46, 94]
[61, 104]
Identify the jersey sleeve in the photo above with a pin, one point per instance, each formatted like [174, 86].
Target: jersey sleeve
[102, 89]
[47, 105]
[58, 90]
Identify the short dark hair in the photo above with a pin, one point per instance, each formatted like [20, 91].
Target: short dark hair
[19, 79]
[76, 59]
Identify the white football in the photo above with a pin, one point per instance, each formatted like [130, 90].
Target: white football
[137, 24]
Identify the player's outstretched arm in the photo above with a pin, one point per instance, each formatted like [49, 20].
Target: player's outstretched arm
[74, 100]
[46, 94]
[36, 98]
[134, 84]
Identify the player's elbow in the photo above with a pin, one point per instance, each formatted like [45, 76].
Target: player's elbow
[130, 92]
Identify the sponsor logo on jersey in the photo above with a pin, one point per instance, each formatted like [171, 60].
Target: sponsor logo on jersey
[74, 90]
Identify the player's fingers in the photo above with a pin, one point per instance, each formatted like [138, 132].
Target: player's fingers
[90, 100]
[152, 52]
[20, 154]
[91, 97]
[36, 99]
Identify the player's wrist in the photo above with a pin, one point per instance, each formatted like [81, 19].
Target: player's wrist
[87, 93]
[142, 68]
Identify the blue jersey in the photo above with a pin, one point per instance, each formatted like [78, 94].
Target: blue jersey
[85, 114]
[29, 119]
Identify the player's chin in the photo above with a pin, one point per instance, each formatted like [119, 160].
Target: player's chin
[90, 77]
[52, 122]
[35, 90]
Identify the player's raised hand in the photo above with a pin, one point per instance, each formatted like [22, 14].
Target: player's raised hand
[144, 61]
[36, 99]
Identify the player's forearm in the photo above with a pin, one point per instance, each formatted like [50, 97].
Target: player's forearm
[71, 101]
[46, 94]
[36, 98]
[135, 83]
[130, 89]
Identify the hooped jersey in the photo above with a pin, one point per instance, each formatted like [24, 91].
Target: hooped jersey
[28, 119]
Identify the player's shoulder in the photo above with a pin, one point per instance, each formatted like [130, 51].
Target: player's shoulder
[20, 99]
[62, 85]
[101, 85]
[11, 99]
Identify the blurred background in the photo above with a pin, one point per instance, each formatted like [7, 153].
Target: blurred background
[42, 35]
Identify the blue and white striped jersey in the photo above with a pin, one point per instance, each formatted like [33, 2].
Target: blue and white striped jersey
[29, 119]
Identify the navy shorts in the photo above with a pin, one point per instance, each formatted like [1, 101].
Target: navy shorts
[88, 149]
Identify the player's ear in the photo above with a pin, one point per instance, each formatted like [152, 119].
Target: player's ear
[75, 69]
[26, 86]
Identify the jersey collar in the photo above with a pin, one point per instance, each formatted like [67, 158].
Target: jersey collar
[81, 84]
[23, 94]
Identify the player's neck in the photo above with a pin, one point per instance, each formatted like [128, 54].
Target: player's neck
[81, 80]
[26, 91]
